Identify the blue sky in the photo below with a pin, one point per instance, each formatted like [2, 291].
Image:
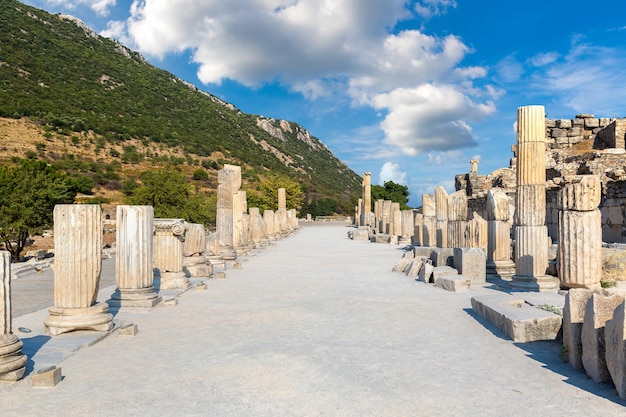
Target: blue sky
[407, 90]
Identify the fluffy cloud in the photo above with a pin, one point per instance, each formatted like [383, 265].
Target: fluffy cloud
[391, 172]
[329, 47]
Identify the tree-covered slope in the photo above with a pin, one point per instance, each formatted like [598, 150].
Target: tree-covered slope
[59, 73]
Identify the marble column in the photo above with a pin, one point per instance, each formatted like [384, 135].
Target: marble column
[579, 252]
[367, 199]
[12, 361]
[168, 246]
[239, 224]
[282, 211]
[378, 214]
[385, 224]
[77, 268]
[476, 232]
[499, 262]
[429, 220]
[441, 206]
[531, 233]
[229, 182]
[268, 217]
[408, 227]
[457, 219]
[195, 257]
[134, 258]
[396, 220]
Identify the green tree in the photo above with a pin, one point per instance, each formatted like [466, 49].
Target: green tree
[393, 192]
[28, 194]
[267, 196]
[171, 196]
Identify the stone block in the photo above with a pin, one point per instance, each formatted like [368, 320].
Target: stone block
[415, 267]
[454, 283]
[598, 311]
[573, 317]
[426, 273]
[442, 271]
[129, 330]
[403, 263]
[471, 262]
[517, 319]
[442, 256]
[615, 353]
[380, 238]
[47, 378]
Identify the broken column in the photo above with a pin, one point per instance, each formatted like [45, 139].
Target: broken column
[499, 262]
[429, 220]
[269, 218]
[195, 260]
[77, 268]
[531, 233]
[134, 258]
[385, 224]
[580, 233]
[441, 206]
[168, 248]
[457, 219]
[282, 211]
[366, 199]
[258, 228]
[418, 227]
[476, 233]
[408, 227]
[239, 223]
[396, 220]
[229, 182]
[12, 361]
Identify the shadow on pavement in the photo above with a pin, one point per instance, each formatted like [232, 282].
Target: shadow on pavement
[31, 345]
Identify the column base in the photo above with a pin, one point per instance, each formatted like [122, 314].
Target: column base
[62, 320]
[12, 361]
[500, 269]
[228, 253]
[543, 283]
[134, 297]
[171, 280]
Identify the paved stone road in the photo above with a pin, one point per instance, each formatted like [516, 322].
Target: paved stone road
[316, 325]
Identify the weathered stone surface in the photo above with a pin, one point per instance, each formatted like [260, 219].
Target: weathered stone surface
[530, 200]
[517, 319]
[476, 232]
[454, 283]
[417, 239]
[366, 199]
[134, 258]
[229, 182]
[456, 234]
[429, 231]
[613, 264]
[615, 349]
[415, 267]
[426, 273]
[457, 206]
[573, 318]
[47, 378]
[471, 262]
[580, 249]
[402, 263]
[168, 244]
[442, 256]
[380, 238]
[441, 203]
[429, 205]
[77, 267]
[598, 311]
[358, 234]
[442, 233]
[582, 195]
[12, 361]
[442, 271]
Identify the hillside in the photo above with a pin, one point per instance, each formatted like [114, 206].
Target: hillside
[96, 107]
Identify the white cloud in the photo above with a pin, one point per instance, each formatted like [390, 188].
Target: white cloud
[327, 48]
[101, 7]
[429, 8]
[430, 117]
[391, 172]
[543, 59]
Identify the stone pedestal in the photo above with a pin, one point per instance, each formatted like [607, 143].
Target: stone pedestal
[531, 234]
[215, 258]
[169, 238]
[580, 234]
[133, 263]
[12, 361]
[77, 267]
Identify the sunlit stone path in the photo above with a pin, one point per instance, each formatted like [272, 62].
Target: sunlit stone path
[315, 325]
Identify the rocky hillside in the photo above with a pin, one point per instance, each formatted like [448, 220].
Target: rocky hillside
[91, 104]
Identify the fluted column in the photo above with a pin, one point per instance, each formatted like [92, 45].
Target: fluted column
[429, 220]
[531, 234]
[134, 258]
[168, 247]
[408, 227]
[457, 219]
[12, 361]
[441, 207]
[418, 227]
[580, 234]
[77, 267]
[499, 262]
[476, 232]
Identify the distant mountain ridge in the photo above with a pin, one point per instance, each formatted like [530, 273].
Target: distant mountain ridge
[104, 99]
